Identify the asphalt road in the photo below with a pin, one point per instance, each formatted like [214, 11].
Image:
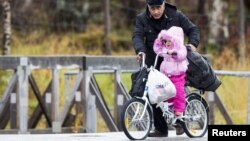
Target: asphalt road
[109, 136]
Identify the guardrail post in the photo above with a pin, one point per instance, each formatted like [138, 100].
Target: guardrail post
[119, 98]
[89, 103]
[22, 97]
[78, 109]
[13, 111]
[56, 123]
[48, 103]
[211, 107]
[78, 102]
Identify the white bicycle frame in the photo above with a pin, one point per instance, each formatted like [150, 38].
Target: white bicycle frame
[166, 113]
[144, 97]
[139, 109]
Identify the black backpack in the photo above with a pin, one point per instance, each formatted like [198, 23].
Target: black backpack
[200, 74]
[138, 82]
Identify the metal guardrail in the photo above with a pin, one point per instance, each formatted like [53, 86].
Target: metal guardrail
[233, 73]
[85, 94]
[238, 74]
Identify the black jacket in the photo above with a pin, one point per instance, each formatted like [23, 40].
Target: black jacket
[147, 29]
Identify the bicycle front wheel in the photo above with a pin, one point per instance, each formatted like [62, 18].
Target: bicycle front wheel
[196, 116]
[136, 119]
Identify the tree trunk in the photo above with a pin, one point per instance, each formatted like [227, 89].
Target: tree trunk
[6, 27]
[201, 7]
[172, 2]
[242, 44]
[218, 24]
[202, 20]
[26, 4]
[107, 46]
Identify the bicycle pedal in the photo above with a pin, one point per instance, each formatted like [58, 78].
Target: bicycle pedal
[178, 119]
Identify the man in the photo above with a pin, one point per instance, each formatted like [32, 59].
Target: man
[160, 15]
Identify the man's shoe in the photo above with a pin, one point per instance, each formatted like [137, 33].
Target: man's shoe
[179, 129]
[156, 133]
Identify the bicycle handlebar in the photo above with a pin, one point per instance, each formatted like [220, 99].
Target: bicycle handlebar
[144, 57]
[142, 54]
[157, 56]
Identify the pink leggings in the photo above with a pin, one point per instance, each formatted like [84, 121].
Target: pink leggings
[179, 100]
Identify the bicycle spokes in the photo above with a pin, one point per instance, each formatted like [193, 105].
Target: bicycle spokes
[196, 117]
[137, 119]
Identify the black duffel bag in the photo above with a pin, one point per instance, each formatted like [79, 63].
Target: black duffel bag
[139, 79]
[200, 74]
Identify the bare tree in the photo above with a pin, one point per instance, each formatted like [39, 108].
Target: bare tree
[201, 21]
[242, 44]
[218, 24]
[6, 27]
[26, 4]
[201, 7]
[107, 46]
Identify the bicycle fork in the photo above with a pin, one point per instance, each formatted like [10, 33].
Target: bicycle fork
[144, 98]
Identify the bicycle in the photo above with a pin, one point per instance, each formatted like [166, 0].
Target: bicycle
[136, 115]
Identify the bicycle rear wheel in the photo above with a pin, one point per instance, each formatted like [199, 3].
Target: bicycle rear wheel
[196, 116]
[136, 119]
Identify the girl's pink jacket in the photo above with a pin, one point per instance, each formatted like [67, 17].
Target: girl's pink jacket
[172, 64]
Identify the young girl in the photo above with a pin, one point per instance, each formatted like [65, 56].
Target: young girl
[175, 63]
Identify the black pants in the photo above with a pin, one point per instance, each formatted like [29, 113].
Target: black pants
[159, 121]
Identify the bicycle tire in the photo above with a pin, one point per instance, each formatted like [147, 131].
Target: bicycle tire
[196, 108]
[137, 129]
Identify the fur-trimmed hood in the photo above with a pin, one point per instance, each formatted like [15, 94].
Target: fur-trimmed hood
[175, 34]
[173, 64]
